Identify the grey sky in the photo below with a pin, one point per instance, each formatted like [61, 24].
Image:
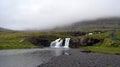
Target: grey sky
[43, 14]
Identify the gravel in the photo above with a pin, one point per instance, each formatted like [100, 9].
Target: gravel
[78, 58]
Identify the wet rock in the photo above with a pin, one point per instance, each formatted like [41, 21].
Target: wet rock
[45, 40]
[42, 40]
[66, 53]
[74, 42]
[89, 41]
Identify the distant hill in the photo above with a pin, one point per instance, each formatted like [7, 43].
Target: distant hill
[92, 25]
[5, 30]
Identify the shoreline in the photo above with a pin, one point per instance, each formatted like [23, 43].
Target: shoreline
[78, 58]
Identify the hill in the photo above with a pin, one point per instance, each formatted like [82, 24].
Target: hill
[5, 30]
[102, 24]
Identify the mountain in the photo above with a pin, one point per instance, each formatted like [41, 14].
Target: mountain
[5, 30]
[102, 24]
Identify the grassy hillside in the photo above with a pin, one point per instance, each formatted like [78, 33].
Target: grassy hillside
[108, 45]
[9, 40]
[5, 30]
[104, 24]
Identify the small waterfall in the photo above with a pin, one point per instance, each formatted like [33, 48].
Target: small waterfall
[58, 43]
[67, 40]
[55, 43]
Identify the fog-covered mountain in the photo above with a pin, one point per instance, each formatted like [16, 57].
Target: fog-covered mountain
[101, 24]
[5, 30]
[92, 25]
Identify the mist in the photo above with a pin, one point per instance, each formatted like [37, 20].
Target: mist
[48, 14]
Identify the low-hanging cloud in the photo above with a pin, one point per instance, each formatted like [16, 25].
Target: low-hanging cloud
[46, 14]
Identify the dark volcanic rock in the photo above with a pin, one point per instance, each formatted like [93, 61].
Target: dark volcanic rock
[45, 40]
[89, 41]
[74, 42]
[42, 40]
[77, 33]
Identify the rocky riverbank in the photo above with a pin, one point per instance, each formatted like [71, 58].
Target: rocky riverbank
[79, 58]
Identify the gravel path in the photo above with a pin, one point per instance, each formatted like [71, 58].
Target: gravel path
[81, 59]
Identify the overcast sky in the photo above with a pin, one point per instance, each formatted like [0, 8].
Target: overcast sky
[46, 14]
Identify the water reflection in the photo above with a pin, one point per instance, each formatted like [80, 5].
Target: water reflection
[59, 51]
[27, 58]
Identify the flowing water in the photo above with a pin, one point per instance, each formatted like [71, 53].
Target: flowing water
[27, 57]
[59, 42]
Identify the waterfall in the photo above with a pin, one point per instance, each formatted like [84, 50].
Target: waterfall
[58, 43]
[67, 40]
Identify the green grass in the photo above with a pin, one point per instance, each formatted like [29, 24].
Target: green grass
[16, 45]
[10, 40]
[118, 34]
[107, 46]
[103, 49]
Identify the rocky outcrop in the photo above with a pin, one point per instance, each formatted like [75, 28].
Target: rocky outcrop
[45, 40]
[74, 43]
[77, 33]
[42, 40]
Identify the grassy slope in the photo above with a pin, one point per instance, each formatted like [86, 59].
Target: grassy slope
[103, 24]
[108, 45]
[103, 49]
[10, 40]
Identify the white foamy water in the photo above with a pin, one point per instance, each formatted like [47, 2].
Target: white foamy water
[59, 42]
[67, 41]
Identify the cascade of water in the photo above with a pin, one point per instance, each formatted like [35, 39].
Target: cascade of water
[58, 43]
[67, 40]
[53, 43]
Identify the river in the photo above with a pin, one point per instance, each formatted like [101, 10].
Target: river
[27, 57]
